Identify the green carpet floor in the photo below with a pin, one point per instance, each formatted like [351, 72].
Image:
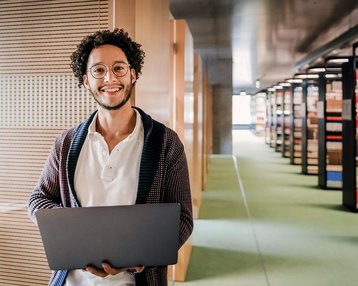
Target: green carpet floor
[264, 223]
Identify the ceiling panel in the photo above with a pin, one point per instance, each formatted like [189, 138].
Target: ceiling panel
[263, 38]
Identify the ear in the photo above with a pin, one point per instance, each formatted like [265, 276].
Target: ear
[133, 76]
[85, 81]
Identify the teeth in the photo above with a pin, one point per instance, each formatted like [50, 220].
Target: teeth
[111, 89]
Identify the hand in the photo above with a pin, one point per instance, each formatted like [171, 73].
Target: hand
[108, 270]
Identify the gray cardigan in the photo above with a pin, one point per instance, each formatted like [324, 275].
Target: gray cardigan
[163, 177]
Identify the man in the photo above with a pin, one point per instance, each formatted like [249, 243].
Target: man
[118, 156]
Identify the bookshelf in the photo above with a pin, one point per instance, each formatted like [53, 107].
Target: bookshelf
[310, 125]
[267, 118]
[260, 113]
[350, 128]
[252, 113]
[278, 119]
[286, 143]
[272, 118]
[330, 130]
[296, 122]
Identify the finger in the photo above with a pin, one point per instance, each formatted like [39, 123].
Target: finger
[96, 272]
[139, 269]
[110, 270]
[135, 270]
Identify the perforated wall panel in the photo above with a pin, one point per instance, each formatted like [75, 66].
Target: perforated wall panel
[39, 98]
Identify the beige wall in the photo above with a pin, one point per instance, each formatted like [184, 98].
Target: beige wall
[198, 134]
[182, 64]
[147, 23]
[39, 98]
[207, 127]
[184, 89]
[192, 111]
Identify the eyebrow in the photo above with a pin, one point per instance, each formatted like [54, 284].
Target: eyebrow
[115, 62]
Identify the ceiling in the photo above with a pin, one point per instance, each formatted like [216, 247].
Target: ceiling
[265, 40]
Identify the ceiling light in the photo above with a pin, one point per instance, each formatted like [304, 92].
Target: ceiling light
[307, 76]
[338, 61]
[294, 80]
[316, 69]
[312, 76]
[332, 75]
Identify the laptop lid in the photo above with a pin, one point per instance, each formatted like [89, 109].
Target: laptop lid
[123, 236]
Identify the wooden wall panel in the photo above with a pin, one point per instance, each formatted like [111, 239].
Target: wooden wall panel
[39, 98]
[184, 89]
[152, 31]
[198, 134]
[147, 23]
[23, 152]
[184, 114]
[207, 127]
[37, 37]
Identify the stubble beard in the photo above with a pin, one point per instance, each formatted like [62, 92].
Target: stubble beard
[127, 96]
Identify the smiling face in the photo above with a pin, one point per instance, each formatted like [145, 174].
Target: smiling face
[113, 89]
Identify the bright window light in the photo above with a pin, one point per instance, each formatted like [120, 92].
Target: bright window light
[241, 110]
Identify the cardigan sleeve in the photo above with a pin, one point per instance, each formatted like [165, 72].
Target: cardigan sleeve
[177, 185]
[46, 193]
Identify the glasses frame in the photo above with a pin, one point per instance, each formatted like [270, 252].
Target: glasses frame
[109, 68]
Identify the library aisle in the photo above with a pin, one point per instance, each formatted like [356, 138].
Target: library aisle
[264, 223]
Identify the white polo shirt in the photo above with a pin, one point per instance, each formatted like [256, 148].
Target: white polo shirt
[103, 179]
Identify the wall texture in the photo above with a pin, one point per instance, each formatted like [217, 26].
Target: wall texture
[39, 98]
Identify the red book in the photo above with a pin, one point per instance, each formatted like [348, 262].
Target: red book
[334, 137]
[334, 118]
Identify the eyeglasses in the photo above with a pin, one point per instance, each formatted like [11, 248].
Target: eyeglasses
[100, 70]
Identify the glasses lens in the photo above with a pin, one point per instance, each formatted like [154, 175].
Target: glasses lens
[98, 71]
[120, 69]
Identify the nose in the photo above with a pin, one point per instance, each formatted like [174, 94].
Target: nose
[110, 76]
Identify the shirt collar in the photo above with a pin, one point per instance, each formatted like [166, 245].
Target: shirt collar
[137, 128]
[92, 133]
[92, 128]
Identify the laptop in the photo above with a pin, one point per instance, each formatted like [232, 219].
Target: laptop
[123, 236]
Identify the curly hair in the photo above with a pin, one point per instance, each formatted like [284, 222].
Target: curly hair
[119, 38]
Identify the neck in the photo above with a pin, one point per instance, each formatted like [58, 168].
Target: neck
[115, 125]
